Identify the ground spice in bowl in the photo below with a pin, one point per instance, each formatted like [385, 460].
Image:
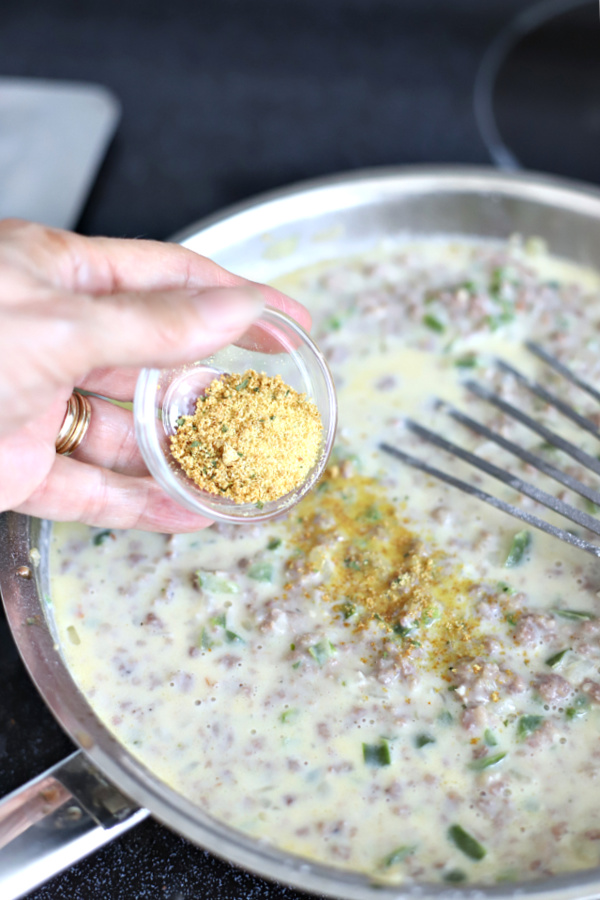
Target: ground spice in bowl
[252, 438]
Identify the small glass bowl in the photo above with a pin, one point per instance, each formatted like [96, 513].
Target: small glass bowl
[274, 344]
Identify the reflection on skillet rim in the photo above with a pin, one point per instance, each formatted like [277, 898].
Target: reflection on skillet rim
[489, 206]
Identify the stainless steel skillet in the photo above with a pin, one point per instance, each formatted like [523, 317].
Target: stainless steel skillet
[102, 790]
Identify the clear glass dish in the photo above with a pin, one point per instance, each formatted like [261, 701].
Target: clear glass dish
[274, 344]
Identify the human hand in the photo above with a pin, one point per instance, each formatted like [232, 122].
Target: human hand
[88, 313]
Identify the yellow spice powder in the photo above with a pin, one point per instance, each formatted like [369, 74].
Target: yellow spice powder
[374, 569]
[252, 438]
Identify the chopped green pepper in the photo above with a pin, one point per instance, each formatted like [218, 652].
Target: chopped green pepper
[576, 615]
[372, 514]
[505, 588]
[430, 615]
[528, 725]
[521, 543]
[216, 584]
[232, 638]
[497, 278]
[486, 762]
[579, 708]
[397, 856]
[322, 651]
[503, 318]
[455, 876]
[348, 609]
[468, 361]
[377, 755]
[433, 323]
[466, 843]
[333, 322]
[205, 641]
[490, 738]
[555, 660]
[261, 571]
[422, 740]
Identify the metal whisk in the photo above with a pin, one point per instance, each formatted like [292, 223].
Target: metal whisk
[559, 506]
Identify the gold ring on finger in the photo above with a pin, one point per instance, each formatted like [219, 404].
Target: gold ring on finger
[75, 424]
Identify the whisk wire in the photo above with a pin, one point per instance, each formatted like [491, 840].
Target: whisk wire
[515, 511]
[563, 370]
[568, 511]
[513, 481]
[549, 398]
[551, 437]
[527, 456]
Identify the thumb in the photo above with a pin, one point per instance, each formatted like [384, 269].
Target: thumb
[160, 328]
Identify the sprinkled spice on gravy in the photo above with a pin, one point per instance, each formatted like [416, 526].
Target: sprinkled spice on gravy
[252, 439]
[393, 679]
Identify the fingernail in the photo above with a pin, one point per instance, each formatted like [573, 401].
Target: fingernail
[225, 309]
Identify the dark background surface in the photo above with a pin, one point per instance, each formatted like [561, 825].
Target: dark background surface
[226, 98]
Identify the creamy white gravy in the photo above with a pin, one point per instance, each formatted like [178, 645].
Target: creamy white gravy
[453, 737]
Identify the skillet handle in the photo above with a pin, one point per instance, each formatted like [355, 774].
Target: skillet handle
[57, 819]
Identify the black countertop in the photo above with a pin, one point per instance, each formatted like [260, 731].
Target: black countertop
[223, 99]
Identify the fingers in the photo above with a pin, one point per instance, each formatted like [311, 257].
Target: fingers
[97, 266]
[155, 329]
[72, 304]
[154, 266]
[166, 329]
[76, 492]
[175, 307]
[116, 383]
[72, 336]
[110, 440]
[286, 304]
[119, 383]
